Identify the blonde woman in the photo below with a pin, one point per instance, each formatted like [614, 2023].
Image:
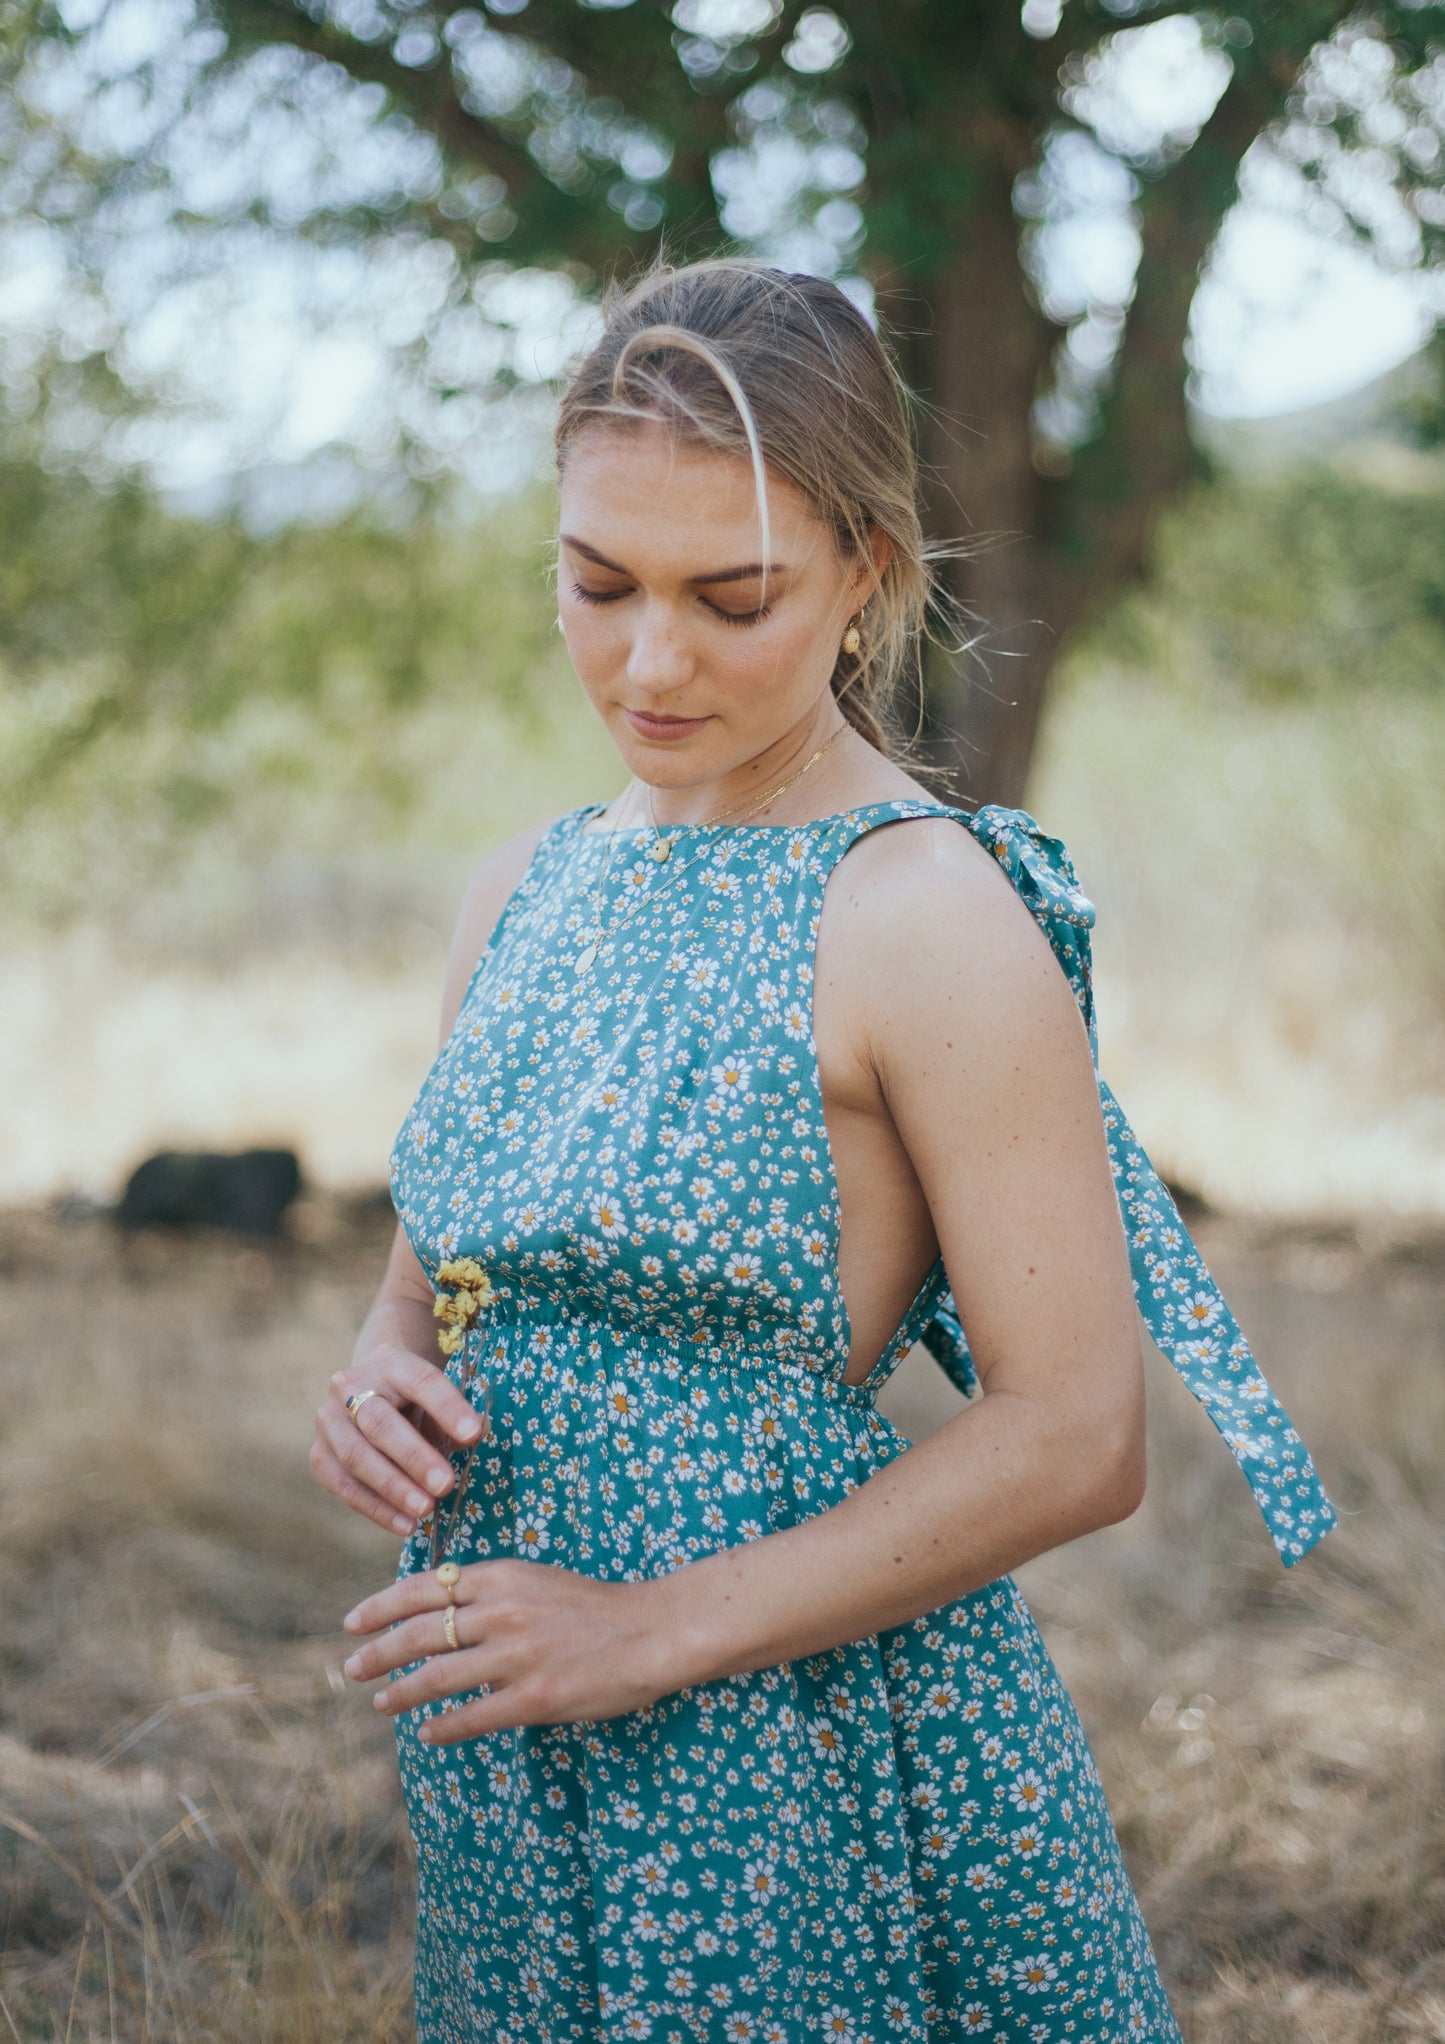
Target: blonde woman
[718, 1713]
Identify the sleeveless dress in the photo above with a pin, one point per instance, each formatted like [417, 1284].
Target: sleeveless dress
[904, 1837]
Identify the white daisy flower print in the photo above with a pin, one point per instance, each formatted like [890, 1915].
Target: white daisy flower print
[532, 1535]
[731, 1078]
[636, 1156]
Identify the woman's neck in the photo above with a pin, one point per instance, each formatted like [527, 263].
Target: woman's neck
[786, 782]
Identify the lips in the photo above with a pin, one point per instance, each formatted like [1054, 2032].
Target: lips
[651, 726]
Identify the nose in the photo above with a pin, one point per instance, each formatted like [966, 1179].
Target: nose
[658, 660]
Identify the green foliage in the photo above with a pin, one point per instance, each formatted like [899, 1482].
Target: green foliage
[1259, 730]
[936, 153]
[177, 693]
[1420, 417]
[122, 621]
[1299, 586]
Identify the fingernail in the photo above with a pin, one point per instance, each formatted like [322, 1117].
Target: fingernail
[381, 1700]
[418, 1502]
[401, 1525]
[468, 1429]
[426, 1734]
[352, 1616]
[352, 1664]
[438, 1477]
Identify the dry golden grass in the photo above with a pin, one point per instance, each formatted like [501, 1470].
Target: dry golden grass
[200, 1830]
[199, 1827]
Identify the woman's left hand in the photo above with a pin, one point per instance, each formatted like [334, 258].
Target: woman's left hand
[551, 1646]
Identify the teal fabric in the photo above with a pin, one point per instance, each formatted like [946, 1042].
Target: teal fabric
[903, 1838]
[1182, 1306]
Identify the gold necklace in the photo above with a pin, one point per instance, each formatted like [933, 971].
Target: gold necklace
[585, 957]
[662, 849]
[588, 952]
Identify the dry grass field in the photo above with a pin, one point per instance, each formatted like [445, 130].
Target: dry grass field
[200, 1834]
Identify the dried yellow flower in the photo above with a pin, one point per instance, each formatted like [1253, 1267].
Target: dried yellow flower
[458, 1310]
[463, 1270]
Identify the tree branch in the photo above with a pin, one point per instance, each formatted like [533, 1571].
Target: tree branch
[554, 224]
[1102, 513]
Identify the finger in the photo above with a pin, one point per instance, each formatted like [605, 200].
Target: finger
[422, 1592]
[413, 1640]
[333, 1476]
[442, 1674]
[417, 1416]
[425, 1385]
[367, 1464]
[497, 1712]
[369, 1446]
[380, 1424]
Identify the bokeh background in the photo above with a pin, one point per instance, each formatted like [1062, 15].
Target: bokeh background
[285, 291]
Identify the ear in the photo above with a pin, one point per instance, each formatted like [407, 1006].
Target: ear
[867, 569]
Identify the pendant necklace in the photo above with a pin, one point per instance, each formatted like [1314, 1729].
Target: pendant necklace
[583, 960]
[662, 850]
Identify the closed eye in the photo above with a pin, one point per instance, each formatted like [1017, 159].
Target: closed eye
[741, 617]
[731, 617]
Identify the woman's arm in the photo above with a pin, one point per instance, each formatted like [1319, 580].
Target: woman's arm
[384, 1463]
[957, 1003]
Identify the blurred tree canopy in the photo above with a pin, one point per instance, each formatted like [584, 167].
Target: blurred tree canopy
[357, 673]
[940, 156]
[1291, 588]
[175, 667]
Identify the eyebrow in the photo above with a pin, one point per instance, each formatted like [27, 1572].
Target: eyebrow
[722, 575]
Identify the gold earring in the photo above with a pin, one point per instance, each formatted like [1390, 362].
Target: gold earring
[851, 639]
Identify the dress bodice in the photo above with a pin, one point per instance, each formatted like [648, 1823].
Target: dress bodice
[643, 1141]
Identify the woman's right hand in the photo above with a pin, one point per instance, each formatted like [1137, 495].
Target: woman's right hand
[381, 1463]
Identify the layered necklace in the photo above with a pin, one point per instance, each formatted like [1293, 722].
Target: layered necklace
[661, 851]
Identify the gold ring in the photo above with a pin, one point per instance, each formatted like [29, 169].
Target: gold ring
[355, 1402]
[449, 1627]
[449, 1575]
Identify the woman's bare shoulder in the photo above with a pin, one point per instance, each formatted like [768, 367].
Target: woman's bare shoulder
[922, 907]
[907, 870]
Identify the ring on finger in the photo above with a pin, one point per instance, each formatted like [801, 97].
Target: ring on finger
[449, 1627]
[355, 1402]
[449, 1575]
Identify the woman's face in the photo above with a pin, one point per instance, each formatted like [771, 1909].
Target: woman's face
[666, 612]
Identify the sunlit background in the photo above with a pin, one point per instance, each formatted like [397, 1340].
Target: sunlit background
[285, 293]
[269, 715]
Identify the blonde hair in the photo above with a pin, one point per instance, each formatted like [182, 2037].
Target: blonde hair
[783, 369]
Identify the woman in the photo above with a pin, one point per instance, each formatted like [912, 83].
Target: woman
[717, 1711]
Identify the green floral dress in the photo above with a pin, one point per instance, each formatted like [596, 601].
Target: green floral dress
[905, 1837]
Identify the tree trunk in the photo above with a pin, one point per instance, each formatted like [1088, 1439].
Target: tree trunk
[1044, 550]
[975, 359]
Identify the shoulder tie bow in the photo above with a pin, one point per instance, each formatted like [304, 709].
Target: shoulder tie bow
[1183, 1307]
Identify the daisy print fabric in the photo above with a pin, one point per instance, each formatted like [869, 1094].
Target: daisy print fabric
[904, 1838]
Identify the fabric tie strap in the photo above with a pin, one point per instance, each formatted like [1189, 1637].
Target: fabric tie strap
[1183, 1307]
